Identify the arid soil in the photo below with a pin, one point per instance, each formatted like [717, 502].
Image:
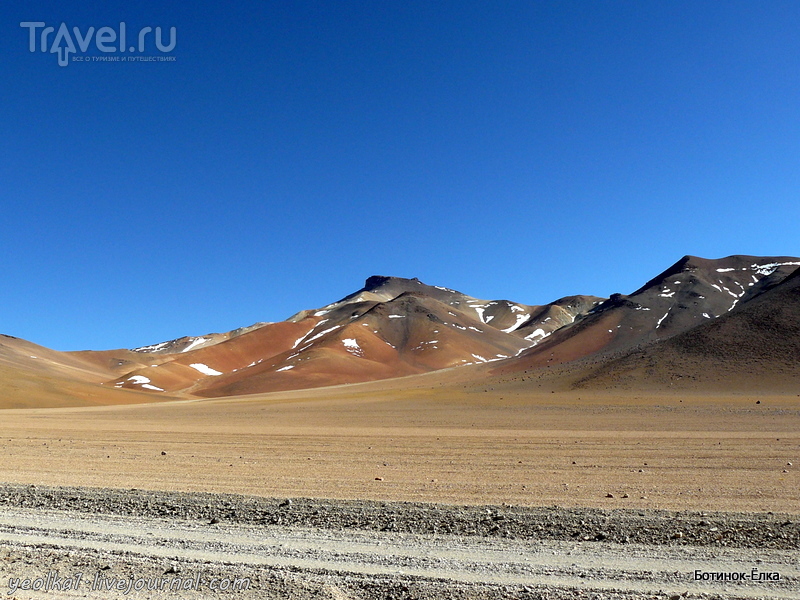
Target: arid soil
[429, 487]
[431, 444]
[223, 546]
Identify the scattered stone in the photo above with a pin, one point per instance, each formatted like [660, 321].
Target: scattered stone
[609, 495]
[163, 453]
[379, 479]
[639, 526]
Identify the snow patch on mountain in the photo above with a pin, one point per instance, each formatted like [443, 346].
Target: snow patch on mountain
[770, 268]
[195, 344]
[205, 369]
[520, 320]
[153, 348]
[351, 345]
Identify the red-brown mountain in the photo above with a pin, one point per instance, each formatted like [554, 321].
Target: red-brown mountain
[391, 327]
[739, 311]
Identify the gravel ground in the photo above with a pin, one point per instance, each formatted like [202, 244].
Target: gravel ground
[740, 530]
[312, 548]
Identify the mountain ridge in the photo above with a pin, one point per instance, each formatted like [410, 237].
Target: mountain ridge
[394, 327]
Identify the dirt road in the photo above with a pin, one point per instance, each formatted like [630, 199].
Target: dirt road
[358, 550]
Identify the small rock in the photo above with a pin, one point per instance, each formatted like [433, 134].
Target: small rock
[625, 496]
[677, 535]
[609, 495]
[163, 453]
[379, 479]
[213, 521]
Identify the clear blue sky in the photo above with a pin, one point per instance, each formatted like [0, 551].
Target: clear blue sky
[520, 150]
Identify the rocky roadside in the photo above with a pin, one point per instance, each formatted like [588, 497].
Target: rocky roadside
[734, 530]
[142, 555]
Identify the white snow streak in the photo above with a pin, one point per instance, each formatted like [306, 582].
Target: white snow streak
[770, 268]
[194, 344]
[539, 333]
[152, 348]
[205, 369]
[520, 320]
[321, 333]
[351, 345]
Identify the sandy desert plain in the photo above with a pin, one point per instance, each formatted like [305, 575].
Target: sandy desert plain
[433, 441]
[428, 444]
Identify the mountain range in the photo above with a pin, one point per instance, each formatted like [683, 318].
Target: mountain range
[733, 321]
